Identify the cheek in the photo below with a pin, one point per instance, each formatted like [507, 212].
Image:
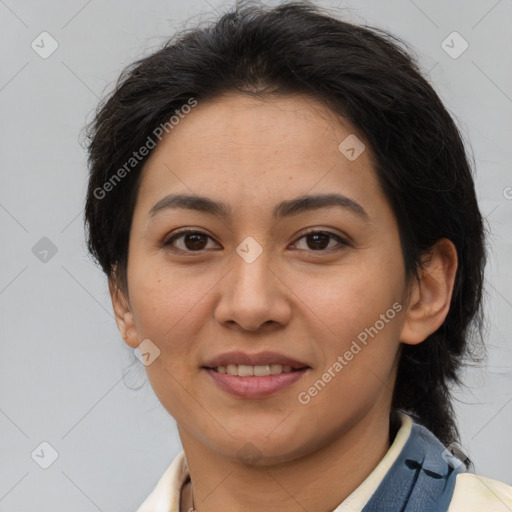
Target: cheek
[359, 349]
[359, 309]
[166, 298]
[168, 310]
[350, 299]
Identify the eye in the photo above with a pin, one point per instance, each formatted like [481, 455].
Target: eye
[193, 241]
[319, 240]
[196, 241]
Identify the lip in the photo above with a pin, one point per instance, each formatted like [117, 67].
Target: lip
[261, 358]
[254, 387]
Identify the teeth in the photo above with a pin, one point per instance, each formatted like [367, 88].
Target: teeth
[244, 370]
[261, 371]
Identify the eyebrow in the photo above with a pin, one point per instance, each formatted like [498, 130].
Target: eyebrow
[284, 209]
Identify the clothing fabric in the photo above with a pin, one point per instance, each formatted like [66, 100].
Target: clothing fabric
[413, 476]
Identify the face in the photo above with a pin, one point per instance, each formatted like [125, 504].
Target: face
[318, 285]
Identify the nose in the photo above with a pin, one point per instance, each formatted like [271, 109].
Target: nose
[253, 295]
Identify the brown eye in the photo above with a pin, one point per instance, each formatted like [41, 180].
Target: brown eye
[319, 240]
[196, 241]
[191, 241]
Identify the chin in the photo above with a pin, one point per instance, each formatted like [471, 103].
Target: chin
[258, 448]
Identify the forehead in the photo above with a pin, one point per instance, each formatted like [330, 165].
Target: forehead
[242, 122]
[266, 148]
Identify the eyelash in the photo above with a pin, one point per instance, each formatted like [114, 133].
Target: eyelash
[180, 234]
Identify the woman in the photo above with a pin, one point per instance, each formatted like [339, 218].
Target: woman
[288, 222]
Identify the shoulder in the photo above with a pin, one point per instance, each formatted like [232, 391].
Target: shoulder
[474, 493]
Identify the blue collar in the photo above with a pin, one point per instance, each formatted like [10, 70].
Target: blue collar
[420, 480]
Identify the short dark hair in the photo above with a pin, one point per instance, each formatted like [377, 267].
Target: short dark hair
[363, 74]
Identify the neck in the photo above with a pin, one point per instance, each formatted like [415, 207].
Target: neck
[318, 481]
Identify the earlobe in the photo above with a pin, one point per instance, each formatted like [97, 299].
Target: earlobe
[431, 293]
[123, 314]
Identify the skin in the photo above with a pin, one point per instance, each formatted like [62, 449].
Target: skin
[303, 302]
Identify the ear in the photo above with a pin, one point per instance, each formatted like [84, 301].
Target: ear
[430, 295]
[123, 314]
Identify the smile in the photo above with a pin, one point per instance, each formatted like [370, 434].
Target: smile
[245, 370]
[246, 382]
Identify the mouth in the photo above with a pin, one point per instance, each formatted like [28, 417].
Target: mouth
[245, 370]
[254, 375]
[259, 364]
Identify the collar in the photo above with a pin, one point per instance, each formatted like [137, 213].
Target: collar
[362, 494]
[422, 478]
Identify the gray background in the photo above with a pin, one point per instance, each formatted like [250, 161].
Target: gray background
[62, 359]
